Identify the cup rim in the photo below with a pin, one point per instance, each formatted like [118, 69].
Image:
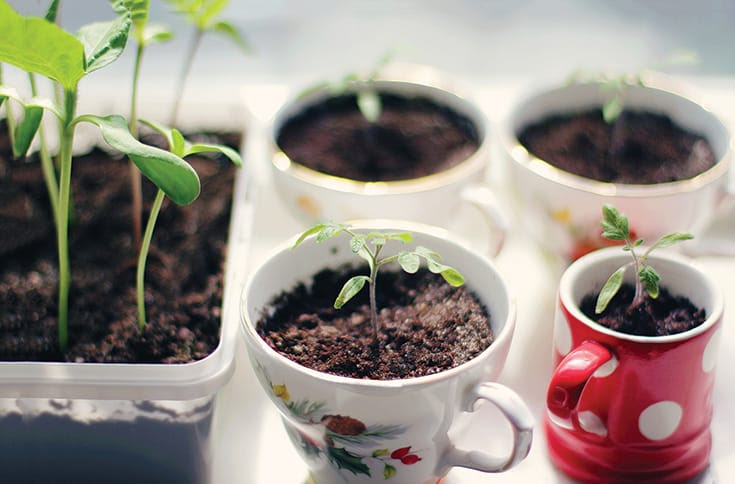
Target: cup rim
[589, 261]
[427, 80]
[248, 327]
[656, 83]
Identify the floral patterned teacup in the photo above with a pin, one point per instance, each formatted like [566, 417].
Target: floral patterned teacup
[561, 210]
[625, 408]
[353, 430]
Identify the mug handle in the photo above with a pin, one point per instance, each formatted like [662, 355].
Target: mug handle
[519, 417]
[569, 379]
[480, 196]
[722, 244]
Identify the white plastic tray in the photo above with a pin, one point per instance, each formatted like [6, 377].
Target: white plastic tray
[251, 445]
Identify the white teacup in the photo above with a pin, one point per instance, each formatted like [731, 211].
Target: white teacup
[433, 199]
[405, 423]
[561, 210]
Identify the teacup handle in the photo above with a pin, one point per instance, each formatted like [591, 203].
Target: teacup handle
[717, 246]
[480, 196]
[521, 421]
[569, 379]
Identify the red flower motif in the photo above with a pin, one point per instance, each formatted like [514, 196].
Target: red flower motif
[405, 456]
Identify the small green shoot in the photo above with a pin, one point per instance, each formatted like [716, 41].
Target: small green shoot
[202, 14]
[614, 86]
[182, 148]
[615, 227]
[367, 96]
[368, 246]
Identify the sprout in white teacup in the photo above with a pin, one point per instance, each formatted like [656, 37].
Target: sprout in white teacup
[615, 227]
[368, 246]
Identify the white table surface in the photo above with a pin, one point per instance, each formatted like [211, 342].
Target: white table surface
[250, 443]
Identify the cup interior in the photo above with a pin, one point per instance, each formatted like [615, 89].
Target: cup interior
[678, 274]
[286, 267]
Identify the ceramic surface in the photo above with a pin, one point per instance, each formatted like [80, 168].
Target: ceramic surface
[632, 408]
[561, 210]
[433, 199]
[356, 430]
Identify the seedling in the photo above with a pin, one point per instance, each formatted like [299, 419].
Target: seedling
[367, 96]
[145, 34]
[368, 246]
[614, 86]
[180, 147]
[39, 46]
[615, 227]
[202, 14]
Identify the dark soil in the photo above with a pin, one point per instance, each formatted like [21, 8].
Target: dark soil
[667, 314]
[183, 276]
[412, 138]
[639, 148]
[426, 326]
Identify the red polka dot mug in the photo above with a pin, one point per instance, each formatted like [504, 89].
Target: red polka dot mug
[626, 408]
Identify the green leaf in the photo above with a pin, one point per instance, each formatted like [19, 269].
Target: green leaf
[612, 108]
[228, 152]
[381, 452]
[26, 130]
[389, 471]
[170, 173]
[155, 34]
[208, 11]
[614, 224]
[328, 231]
[370, 105]
[608, 291]
[669, 240]
[452, 276]
[10, 92]
[310, 231]
[426, 253]
[231, 32]
[650, 278]
[104, 41]
[179, 143]
[409, 261]
[36, 45]
[357, 243]
[52, 11]
[163, 131]
[343, 459]
[353, 286]
[405, 237]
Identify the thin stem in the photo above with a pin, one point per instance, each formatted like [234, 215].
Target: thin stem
[179, 91]
[639, 291]
[65, 158]
[136, 189]
[373, 303]
[145, 247]
[47, 164]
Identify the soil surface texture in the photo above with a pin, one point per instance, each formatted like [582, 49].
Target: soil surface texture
[426, 326]
[413, 137]
[667, 314]
[639, 148]
[183, 276]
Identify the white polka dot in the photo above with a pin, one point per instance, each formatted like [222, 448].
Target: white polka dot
[592, 423]
[709, 358]
[562, 335]
[660, 420]
[607, 369]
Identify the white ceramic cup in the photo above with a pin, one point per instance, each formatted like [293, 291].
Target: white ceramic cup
[434, 199]
[561, 210]
[406, 422]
